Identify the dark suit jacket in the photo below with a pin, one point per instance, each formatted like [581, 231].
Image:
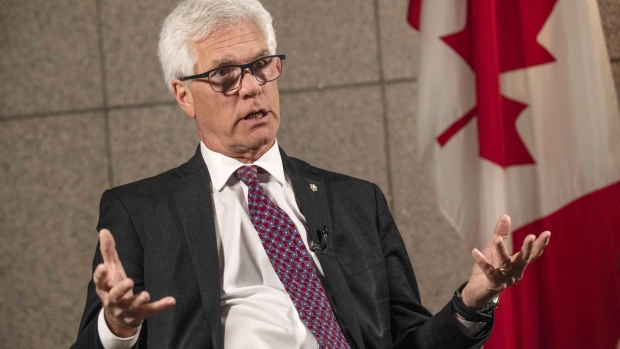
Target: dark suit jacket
[165, 237]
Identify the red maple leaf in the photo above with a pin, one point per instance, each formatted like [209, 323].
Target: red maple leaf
[500, 36]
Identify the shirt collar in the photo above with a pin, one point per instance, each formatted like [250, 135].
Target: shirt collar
[221, 167]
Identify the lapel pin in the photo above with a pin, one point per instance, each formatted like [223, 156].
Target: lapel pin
[313, 187]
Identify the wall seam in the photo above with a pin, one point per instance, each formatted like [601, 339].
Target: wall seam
[104, 93]
[109, 108]
[384, 112]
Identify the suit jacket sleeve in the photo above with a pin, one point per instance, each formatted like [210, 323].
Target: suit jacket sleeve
[114, 217]
[412, 325]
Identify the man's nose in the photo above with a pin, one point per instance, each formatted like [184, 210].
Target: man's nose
[249, 85]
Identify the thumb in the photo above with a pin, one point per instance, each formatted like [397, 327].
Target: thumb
[108, 247]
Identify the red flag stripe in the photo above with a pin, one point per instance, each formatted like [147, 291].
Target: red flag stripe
[568, 298]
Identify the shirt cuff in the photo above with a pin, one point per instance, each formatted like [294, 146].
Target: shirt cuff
[109, 340]
[468, 328]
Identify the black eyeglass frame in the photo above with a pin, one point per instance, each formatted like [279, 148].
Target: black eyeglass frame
[243, 68]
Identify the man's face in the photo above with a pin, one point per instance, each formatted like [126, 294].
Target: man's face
[241, 123]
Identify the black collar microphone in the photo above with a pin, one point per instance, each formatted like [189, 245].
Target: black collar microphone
[321, 247]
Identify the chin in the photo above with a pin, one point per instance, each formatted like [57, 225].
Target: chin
[262, 142]
[262, 137]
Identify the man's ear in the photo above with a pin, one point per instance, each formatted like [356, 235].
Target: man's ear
[183, 95]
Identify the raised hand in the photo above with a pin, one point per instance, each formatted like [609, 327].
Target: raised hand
[495, 269]
[124, 312]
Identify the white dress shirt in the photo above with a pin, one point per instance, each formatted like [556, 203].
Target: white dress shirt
[256, 310]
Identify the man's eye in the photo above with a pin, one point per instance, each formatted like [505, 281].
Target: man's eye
[221, 72]
[260, 64]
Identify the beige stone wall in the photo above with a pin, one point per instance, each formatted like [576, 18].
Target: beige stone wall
[83, 108]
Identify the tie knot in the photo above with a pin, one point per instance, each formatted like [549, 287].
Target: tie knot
[248, 175]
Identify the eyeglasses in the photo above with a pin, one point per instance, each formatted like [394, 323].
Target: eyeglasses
[228, 78]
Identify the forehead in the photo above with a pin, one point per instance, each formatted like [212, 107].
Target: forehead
[239, 43]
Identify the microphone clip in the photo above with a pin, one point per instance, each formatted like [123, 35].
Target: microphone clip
[321, 247]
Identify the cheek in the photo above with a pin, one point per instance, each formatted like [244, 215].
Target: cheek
[215, 114]
[274, 100]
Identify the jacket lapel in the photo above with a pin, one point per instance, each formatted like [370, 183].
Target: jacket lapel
[312, 198]
[192, 196]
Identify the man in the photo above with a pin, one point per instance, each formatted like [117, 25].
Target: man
[243, 246]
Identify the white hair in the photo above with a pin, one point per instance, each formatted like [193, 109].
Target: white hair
[194, 20]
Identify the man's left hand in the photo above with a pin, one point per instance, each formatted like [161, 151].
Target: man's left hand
[495, 269]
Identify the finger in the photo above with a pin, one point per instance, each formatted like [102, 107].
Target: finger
[526, 249]
[100, 278]
[118, 292]
[482, 262]
[108, 247]
[502, 227]
[150, 309]
[540, 244]
[502, 253]
[131, 304]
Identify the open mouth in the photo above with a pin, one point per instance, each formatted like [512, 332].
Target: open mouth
[255, 116]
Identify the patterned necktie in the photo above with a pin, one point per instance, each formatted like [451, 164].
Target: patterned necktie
[292, 262]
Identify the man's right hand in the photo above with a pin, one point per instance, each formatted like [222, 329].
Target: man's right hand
[124, 312]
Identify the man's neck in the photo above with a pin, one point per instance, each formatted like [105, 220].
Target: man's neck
[221, 166]
[243, 155]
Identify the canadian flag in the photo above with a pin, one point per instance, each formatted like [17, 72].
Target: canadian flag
[518, 114]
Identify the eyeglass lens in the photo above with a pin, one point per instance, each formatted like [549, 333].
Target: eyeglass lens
[229, 78]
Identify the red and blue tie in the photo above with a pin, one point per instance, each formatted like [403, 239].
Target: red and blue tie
[292, 262]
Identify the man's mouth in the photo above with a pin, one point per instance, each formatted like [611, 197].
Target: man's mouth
[255, 116]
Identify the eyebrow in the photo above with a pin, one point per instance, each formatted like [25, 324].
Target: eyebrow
[223, 62]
